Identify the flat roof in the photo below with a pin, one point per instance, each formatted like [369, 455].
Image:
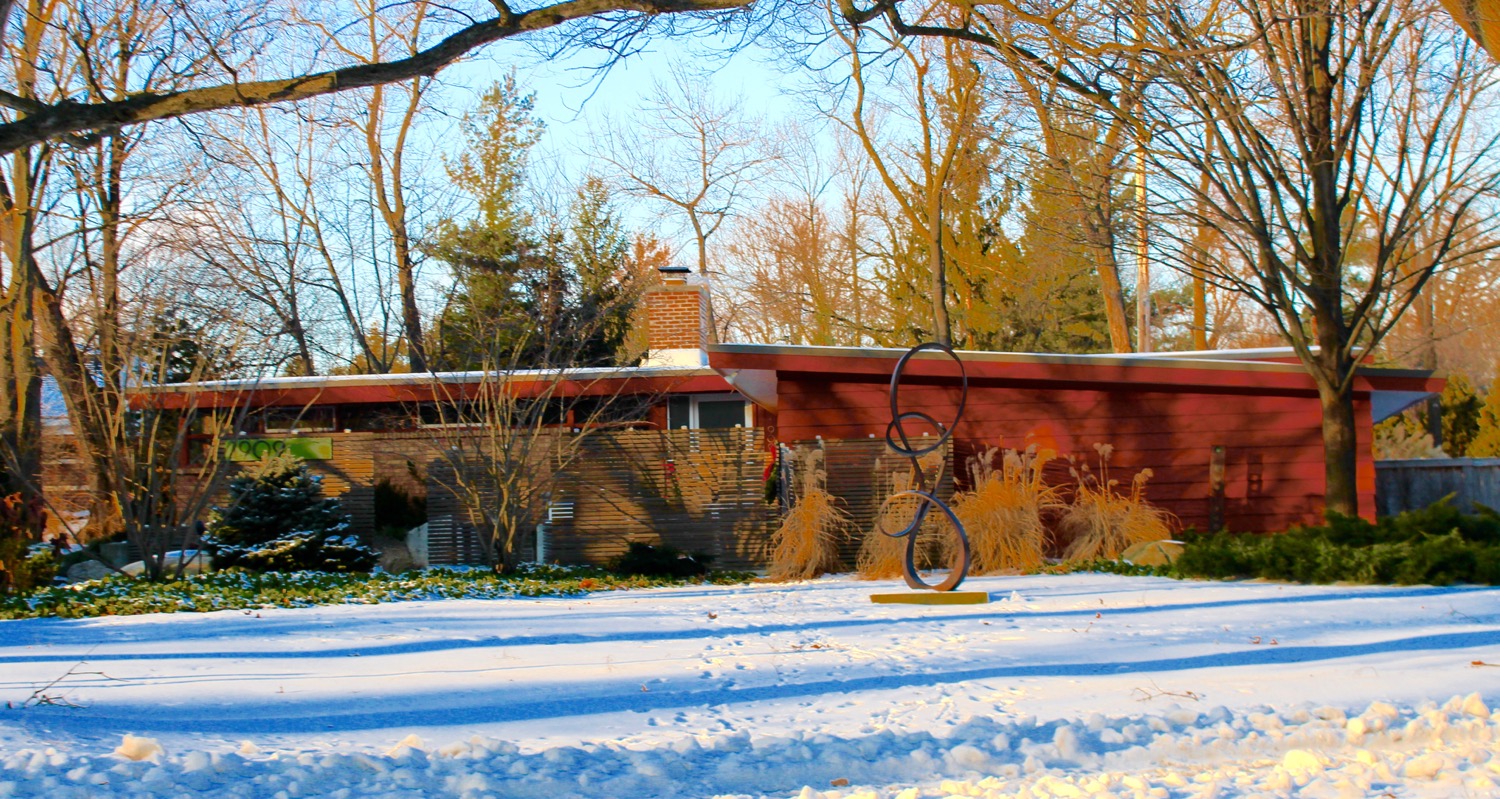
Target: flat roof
[1251, 360]
[422, 379]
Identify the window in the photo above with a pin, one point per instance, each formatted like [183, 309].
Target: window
[297, 420]
[708, 412]
[611, 411]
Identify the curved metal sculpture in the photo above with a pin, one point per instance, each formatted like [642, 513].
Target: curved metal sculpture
[927, 499]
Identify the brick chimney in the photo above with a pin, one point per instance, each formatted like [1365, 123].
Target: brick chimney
[677, 320]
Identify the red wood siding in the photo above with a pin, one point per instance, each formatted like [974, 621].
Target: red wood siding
[1273, 440]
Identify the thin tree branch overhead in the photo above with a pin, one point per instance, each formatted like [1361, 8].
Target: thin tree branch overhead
[65, 117]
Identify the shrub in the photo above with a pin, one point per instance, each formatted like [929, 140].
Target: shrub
[881, 555]
[647, 560]
[398, 510]
[278, 520]
[1434, 546]
[238, 589]
[302, 552]
[1003, 511]
[21, 568]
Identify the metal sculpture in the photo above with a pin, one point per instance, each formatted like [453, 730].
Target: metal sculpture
[927, 499]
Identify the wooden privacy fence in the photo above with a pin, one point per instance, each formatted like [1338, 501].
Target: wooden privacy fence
[587, 495]
[1402, 485]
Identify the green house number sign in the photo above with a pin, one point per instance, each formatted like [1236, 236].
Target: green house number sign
[254, 449]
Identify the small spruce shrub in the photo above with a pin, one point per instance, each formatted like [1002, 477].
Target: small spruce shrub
[278, 520]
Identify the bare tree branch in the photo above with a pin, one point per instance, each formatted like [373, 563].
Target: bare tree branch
[69, 116]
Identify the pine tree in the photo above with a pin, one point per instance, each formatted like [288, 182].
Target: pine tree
[498, 262]
[598, 251]
[278, 520]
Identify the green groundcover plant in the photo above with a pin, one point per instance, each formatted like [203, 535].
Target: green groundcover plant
[237, 589]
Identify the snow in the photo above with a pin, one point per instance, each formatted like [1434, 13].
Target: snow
[1078, 685]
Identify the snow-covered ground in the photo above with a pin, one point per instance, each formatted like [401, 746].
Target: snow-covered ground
[1079, 685]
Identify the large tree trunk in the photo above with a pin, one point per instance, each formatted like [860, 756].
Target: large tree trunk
[20, 375]
[1330, 367]
[20, 391]
[1340, 452]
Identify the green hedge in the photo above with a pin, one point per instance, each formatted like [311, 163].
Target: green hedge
[1435, 546]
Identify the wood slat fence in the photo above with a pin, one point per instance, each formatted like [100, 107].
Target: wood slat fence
[589, 495]
[1402, 485]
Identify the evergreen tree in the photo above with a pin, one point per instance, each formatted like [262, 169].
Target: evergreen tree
[278, 520]
[598, 250]
[528, 295]
[501, 280]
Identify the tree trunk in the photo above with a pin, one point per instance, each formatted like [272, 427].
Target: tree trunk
[1098, 229]
[20, 380]
[1340, 452]
[89, 406]
[411, 316]
[1427, 358]
[942, 329]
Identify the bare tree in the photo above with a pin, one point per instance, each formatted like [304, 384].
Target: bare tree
[386, 122]
[505, 439]
[165, 462]
[234, 42]
[790, 274]
[1360, 174]
[944, 112]
[690, 150]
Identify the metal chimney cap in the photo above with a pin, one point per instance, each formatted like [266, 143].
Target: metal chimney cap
[674, 270]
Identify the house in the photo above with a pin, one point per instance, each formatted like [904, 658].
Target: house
[1232, 439]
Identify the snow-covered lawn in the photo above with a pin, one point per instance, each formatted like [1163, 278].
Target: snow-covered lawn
[1072, 685]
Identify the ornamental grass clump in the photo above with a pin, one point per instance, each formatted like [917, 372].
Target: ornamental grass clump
[1101, 522]
[1004, 512]
[882, 556]
[807, 543]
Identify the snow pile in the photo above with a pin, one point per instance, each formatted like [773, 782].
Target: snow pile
[1429, 751]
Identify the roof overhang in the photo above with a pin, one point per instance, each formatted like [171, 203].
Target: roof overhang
[426, 387]
[1256, 372]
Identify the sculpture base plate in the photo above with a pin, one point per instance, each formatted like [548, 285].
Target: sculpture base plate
[933, 598]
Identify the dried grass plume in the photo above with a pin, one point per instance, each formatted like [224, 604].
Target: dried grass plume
[807, 543]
